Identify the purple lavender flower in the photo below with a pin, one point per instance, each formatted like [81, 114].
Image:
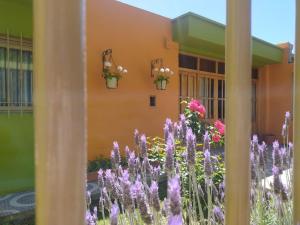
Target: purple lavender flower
[147, 167]
[174, 195]
[254, 144]
[191, 147]
[105, 199]
[253, 166]
[166, 132]
[284, 130]
[277, 158]
[183, 129]
[114, 213]
[284, 156]
[206, 140]
[112, 184]
[218, 215]
[143, 146]
[88, 198]
[169, 125]
[176, 131]
[287, 117]
[91, 219]
[207, 164]
[138, 166]
[109, 179]
[136, 137]
[115, 155]
[127, 192]
[165, 208]
[277, 184]
[175, 220]
[100, 179]
[261, 155]
[154, 197]
[127, 152]
[169, 164]
[132, 165]
[142, 203]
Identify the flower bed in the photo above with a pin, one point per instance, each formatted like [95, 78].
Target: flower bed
[194, 187]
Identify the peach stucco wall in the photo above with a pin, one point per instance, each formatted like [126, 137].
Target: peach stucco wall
[136, 37]
[275, 86]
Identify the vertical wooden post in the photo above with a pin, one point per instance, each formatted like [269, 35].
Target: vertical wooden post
[59, 111]
[296, 125]
[238, 111]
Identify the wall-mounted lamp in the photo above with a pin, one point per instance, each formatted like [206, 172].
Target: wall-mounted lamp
[110, 71]
[161, 74]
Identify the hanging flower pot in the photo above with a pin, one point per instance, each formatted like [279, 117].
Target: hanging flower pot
[112, 82]
[111, 72]
[161, 85]
[162, 77]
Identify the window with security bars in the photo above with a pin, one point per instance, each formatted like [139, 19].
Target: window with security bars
[206, 82]
[16, 84]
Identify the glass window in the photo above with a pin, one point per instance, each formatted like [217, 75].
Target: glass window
[221, 68]
[207, 65]
[221, 99]
[189, 62]
[205, 90]
[15, 78]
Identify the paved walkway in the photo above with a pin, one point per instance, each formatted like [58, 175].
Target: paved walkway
[24, 202]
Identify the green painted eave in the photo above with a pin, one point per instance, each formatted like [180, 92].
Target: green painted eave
[16, 17]
[199, 35]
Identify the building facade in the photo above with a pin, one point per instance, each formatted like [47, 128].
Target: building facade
[190, 45]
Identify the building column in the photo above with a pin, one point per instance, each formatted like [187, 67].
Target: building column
[59, 111]
[296, 125]
[238, 111]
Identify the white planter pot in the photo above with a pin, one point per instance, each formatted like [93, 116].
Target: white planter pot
[112, 83]
[161, 85]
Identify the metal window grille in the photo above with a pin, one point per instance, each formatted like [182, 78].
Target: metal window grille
[16, 74]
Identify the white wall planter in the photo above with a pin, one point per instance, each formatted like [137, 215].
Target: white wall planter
[161, 85]
[112, 83]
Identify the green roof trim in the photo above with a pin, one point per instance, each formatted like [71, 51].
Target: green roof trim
[199, 35]
[16, 17]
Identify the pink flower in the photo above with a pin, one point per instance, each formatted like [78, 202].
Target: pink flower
[220, 127]
[201, 110]
[216, 138]
[193, 105]
[196, 106]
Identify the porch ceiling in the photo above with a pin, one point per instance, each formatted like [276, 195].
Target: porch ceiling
[199, 35]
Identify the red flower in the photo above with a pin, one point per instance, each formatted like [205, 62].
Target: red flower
[220, 127]
[216, 138]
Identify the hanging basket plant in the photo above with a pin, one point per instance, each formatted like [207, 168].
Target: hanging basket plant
[162, 78]
[111, 72]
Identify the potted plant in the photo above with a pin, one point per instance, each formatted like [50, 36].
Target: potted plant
[111, 73]
[162, 78]
[112, 77]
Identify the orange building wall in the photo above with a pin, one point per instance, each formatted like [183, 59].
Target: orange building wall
[136, 37]
[275, 88]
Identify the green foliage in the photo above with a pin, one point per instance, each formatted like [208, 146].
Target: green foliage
[192, 118]
[103, 163]
[99, 162]
[109, 75]
[160, 78]
[157, 155]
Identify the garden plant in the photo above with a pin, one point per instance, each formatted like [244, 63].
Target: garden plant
[194, 190]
